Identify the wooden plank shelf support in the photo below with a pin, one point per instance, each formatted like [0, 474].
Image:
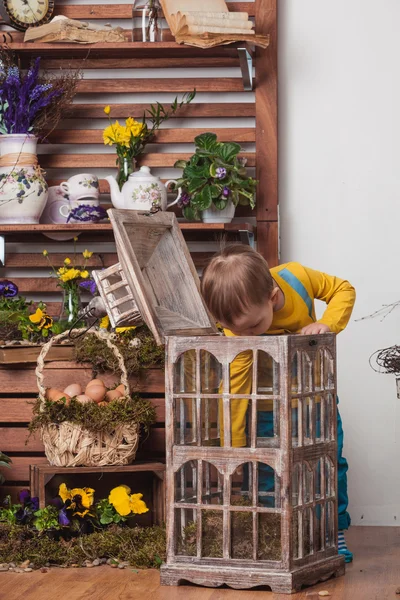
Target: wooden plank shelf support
[41, 475]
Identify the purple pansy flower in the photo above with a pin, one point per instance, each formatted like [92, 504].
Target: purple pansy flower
[63, 518]
[220, 172]
[8, 289]
[24, 496]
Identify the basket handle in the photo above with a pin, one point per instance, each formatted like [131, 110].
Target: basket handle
[62, 336]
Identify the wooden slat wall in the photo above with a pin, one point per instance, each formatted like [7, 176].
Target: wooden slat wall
[247, 118]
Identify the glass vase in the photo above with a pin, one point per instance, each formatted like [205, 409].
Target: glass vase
[71, 305]
[147, 27]
[126, 166]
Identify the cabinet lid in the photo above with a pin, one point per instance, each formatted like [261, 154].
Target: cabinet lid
[161, 274]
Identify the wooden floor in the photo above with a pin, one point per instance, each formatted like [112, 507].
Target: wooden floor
[374, 575]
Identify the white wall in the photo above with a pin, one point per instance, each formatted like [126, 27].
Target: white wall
[340, 208]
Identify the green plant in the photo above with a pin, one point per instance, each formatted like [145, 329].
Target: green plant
[214, 175]
[5, 461]
[8, 512]
[46, 518]
[107, 514]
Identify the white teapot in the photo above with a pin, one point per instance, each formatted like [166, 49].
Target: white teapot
[142, 191]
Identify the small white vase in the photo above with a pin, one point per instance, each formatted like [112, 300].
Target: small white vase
[23, 189]
[213, 215]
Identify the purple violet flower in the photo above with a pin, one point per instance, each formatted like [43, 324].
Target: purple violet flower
[220, 172]
[8, 289]
[226, 191]
[185, 199]
[89, 284]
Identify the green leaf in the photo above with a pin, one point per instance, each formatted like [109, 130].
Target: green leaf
[191, 213]
[206, 141]
[215, 190]
[235, 197]
[180, 164]
[220, 203]
[195, 184]
[204, 199]
[228, 150]
[105, 519]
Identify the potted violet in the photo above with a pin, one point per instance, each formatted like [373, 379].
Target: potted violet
[31, 104]
[214, 181]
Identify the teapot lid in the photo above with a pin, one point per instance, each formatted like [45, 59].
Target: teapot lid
[143, 173]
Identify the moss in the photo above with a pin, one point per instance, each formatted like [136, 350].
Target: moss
[143, 548]
[92, 416]
[136, 346]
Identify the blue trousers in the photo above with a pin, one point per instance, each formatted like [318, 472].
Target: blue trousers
[266, 474]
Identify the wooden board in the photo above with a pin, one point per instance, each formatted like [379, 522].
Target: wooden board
[29, 354]
[160, 273]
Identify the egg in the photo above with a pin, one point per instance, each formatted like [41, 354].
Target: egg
[121, 389]
[95, 382]
[113, 395]
[96, 392]
[73, 390]
[55, 395]
[83, 399]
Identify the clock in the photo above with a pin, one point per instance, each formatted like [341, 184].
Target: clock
[22, 14]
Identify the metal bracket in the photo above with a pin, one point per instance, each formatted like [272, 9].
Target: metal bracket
[246, 237]
[2, 251]
[246, 66]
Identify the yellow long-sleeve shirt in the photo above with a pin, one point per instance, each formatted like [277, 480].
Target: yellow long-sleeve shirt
[300, 286]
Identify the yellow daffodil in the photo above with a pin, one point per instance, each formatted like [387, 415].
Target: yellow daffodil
[70, 274]
[67, 261]
[105, 323]
[45, 253]
[85, 274]
[75, 239]
[119, 498]
[86, 254]
[134, 127]
[116, 134]
[138, 506]
[107, 110]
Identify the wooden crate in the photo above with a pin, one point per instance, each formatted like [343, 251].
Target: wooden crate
[161, 274]
[287, 471]
[29, 354]
[42, 475]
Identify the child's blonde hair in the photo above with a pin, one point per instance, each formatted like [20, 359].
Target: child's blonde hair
[236, 278]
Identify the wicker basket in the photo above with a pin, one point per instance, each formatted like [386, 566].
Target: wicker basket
[69, 445]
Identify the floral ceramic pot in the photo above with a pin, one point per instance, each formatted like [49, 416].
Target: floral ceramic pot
[213, 215]
[23, 189]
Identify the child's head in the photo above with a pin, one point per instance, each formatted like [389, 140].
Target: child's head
[239, 290]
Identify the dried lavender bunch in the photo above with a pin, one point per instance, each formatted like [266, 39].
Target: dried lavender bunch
[32, 101]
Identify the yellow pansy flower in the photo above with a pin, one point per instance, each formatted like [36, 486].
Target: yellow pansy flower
[37, 316]
[107, 110]
[85, 274]
[81, 498]
[105, 323]
[119, 498]
[138, 506]
[87, 254]
[67, 261]
[41, 319]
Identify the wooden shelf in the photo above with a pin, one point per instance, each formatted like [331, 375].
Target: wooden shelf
[123, 49]
[104, 227]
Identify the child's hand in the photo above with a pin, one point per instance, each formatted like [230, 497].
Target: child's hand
[315, 329]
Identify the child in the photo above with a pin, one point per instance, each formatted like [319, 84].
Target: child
[248, 299]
